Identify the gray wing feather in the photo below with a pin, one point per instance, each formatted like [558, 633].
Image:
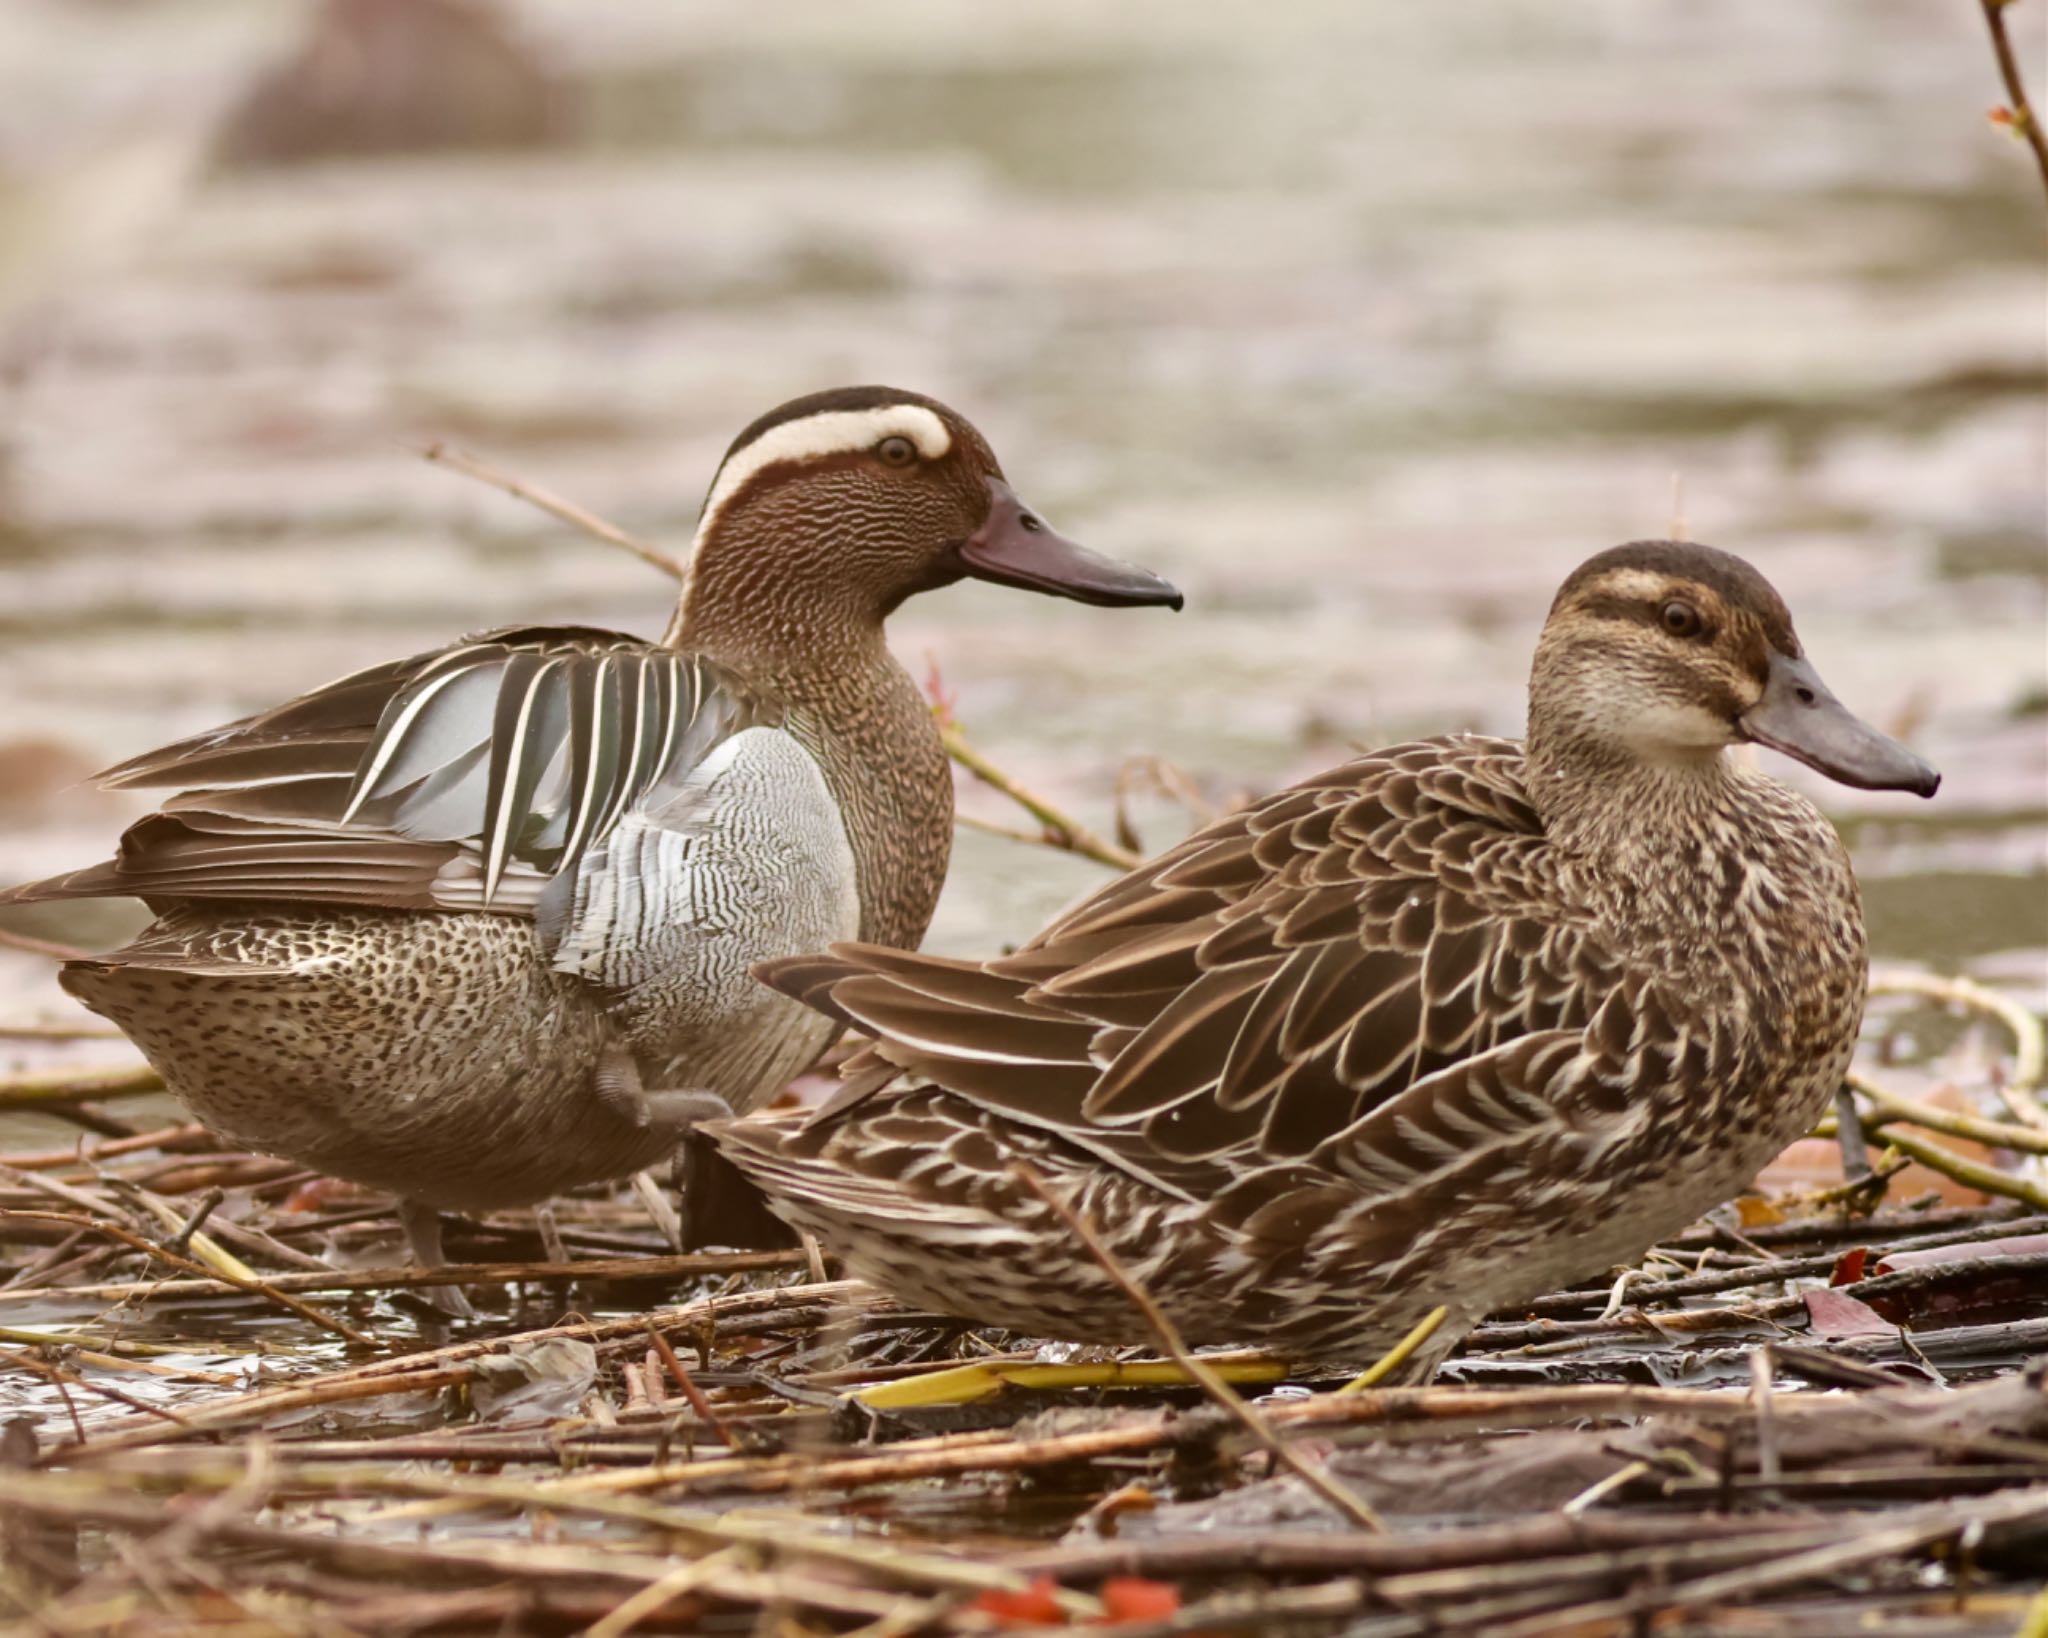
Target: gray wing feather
[461, 779]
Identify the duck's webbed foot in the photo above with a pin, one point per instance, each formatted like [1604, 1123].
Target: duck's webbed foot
[422, 1226]
[622, 1092]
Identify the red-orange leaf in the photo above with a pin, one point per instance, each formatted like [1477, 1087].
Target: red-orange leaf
[1136, 1598]
[318, 1193]
[1036, 1606]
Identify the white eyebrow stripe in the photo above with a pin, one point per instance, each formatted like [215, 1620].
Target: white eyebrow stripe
[813, 437]
[1639, 583]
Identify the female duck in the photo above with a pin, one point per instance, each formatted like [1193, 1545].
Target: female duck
[475, 926]
[1454, 1023]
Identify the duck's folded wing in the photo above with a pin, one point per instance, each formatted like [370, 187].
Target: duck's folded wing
[1261, 987]
[1545, 1111]
[466, 778]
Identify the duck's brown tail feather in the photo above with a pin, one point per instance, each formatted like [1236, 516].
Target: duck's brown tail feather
[100, 881]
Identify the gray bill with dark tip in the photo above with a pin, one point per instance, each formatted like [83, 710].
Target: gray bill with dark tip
[1015, 547]
[1801, 717]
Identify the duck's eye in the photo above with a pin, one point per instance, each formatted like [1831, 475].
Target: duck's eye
[897, 451]
[1681, 619]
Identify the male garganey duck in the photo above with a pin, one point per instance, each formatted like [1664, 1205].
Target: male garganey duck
[475, 926]
[1454, 1024]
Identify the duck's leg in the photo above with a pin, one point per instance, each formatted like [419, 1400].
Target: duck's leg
[621, 1090]
[422, 1226]
[550, 1233]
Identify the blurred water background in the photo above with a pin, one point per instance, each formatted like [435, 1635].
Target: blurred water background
[1363, 323]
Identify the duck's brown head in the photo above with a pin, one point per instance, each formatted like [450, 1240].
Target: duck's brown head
[1664, 652]
[831, 510]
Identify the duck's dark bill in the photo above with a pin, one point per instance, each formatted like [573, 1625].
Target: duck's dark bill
[1014, 547]
[1799, 716]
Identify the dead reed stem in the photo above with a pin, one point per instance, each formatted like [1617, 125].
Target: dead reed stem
[255, 1287]
[1061, 830]
[415, 1278]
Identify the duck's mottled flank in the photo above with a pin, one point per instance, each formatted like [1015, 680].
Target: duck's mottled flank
[1454, 1023]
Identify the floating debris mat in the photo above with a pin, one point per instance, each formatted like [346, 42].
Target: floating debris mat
[1830, 1426]
[227, 1406]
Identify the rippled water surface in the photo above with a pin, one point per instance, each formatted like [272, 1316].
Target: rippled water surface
[1364, 325]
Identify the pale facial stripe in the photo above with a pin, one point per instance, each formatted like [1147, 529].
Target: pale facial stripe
[1642, 584]
[830, 432]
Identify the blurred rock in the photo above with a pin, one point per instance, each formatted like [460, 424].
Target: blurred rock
[396, 76]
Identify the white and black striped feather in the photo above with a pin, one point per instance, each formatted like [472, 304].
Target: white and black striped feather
[466, 778]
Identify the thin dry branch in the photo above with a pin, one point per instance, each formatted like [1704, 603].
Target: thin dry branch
[254, 1287]
[1895, 1106]
[22, 1361]
[440, 1367]
[35, 1029]
[1009, 833]
[681, 1267]
[2030, 1041]
[1061, 829]
[686, 1577]
[40, 1089]
[41, 946]
[554, 505]
[690, 1391]
[168, 1140]
[1936, 1158]
[2020, 115]
[1925, 1527]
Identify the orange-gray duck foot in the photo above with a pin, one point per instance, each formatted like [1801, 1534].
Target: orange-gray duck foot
[1455, 1023]
[403, 916]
